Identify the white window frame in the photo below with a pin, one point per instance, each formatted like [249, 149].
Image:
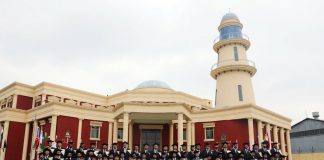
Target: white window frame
[120, 139]
[95, 124]
[209, 125]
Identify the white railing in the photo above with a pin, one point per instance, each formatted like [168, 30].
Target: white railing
[233, 62]
[231, 36]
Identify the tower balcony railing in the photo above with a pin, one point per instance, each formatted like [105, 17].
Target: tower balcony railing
[235, 35]
[233, 62]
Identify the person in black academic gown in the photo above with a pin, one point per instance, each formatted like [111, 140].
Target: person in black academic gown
[156, 151]
[235, 151]
[191, 153]
[206, 151]
[69, 149]
[224, 150]
[198, 151]
[184, 152]
[216, 151]
[146, 151]
[125, 150]
[114, 151]
[246, 151]
[257, 152]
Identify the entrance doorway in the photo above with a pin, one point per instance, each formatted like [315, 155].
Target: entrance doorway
[150, 136]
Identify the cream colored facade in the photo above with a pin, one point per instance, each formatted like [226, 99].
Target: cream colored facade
[153, 105]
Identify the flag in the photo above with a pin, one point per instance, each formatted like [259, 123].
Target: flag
[44, 141]
[36, 141]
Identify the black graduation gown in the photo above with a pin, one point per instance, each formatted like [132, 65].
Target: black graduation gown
[205, 153]
[224, 153]
[247, 154]
[235, 153]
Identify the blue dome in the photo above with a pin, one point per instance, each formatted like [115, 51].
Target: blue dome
[229, 15]
[153, 84]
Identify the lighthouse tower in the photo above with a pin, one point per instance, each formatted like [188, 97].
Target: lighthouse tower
[233, 71]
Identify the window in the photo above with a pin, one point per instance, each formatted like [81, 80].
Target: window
[209, 133]
[240, 94]
[95, 131]
[120, 134]
[236, 54]
[184, 134]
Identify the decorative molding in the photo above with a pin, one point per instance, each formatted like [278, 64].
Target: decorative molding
[144, 126]
[96, 123]
[42, 122]
[208, 125]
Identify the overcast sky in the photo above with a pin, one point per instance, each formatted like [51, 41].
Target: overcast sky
[105, 46]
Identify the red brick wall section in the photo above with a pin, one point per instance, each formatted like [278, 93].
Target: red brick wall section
[255, 128]
[47, 127]
[175, 134]
[15, 140]
[24, 102]
[233, 129]
[136, 134]
[67, 123]
[165, 135]
[85, 136]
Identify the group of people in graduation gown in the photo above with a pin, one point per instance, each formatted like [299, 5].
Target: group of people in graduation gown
[223, 152]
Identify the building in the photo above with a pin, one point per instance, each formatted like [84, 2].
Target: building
[307, 138]
[152, 112]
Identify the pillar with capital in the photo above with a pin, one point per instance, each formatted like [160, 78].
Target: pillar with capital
[171, 134]
[260, 132]
[110, 132]
[53, 127]
[282, 141]
[4, 138]
[115, 134]
[80, 131]
[188, 130]
[24, 153]
[288, 144]
[125, 127]
[180, 129]
[251, 131]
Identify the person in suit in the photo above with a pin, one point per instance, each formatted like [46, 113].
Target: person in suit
[274, 148]
[257, 154]
[215, 152]
[206, 151]
[235, 151]
[47, 154]
[125, 150]
[184, 152]
[146, 151]
[136, 153]
[156, 151]
[114, 151]
[191, 153]
[265, 150]
[69, 149]
[198, 151]
[58, 147]
[224, 150]
[104, 150]
[246, 151]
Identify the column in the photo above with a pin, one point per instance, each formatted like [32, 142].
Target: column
[115, 138]
[282, 141]
[275, 133]
[5, 136]
[79, 132]
[288, 144]
[125, 127]
[110, 128]
[53, 127]
[268, 130]
[33, 104]
[180, 129]
[260, 132]
[0, 131]
[188, 135]
[251, 131]
[130, 136]
[171, 134]
[14, 101]
[24, 153]
[32, 151]
[43, 99]
[193, 138]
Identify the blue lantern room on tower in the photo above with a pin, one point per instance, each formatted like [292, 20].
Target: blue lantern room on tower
[232, 30]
